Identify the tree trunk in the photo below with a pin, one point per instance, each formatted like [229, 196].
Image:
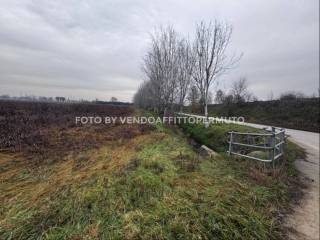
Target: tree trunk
[206, 123]
[206, 110]
[165, 112]
[181, 107]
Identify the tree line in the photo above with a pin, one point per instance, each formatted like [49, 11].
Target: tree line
[177, 68]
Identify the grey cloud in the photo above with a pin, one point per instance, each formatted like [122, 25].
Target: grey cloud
[89, 49]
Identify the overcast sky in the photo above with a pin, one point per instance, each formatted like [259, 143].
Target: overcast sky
[94, 49]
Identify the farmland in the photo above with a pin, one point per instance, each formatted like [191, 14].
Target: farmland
[48, 131]
[60, 180]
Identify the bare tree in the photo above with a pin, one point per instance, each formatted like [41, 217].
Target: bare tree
[220, 96]
[144, 97]
[153, 85]
[210, 47]
[60, 99]
[228, 99]
[240, 91]
[113, 99]
[172, 63]
[194, 98]
[185, 68]
[161, 67]
[209, 100]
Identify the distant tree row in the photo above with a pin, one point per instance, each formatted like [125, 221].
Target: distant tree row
[176, 67]
[36, 98]
[291, 95]
[239, 93]
[51, 99]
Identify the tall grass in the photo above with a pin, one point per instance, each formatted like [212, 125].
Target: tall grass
[155, 196]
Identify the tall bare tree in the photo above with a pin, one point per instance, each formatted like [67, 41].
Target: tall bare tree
[210, 46]
[185, 70]
[172, 63]
[161, 67]
[144, 97]
[194, 98]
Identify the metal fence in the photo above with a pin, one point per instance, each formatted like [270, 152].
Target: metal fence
[269, 145]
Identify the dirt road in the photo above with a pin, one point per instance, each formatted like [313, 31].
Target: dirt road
[303, 223]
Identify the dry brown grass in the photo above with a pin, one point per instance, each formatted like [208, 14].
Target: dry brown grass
[24, 182]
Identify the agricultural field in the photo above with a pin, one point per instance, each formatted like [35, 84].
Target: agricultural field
[60, 180]
[46, 132]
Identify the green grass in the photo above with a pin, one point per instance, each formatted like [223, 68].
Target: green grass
[166, 192]
[216, 136]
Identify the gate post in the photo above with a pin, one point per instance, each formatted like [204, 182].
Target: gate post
[282, 139]
[230, 142]
[273, 143]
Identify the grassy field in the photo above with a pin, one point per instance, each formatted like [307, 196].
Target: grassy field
[151, 185]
